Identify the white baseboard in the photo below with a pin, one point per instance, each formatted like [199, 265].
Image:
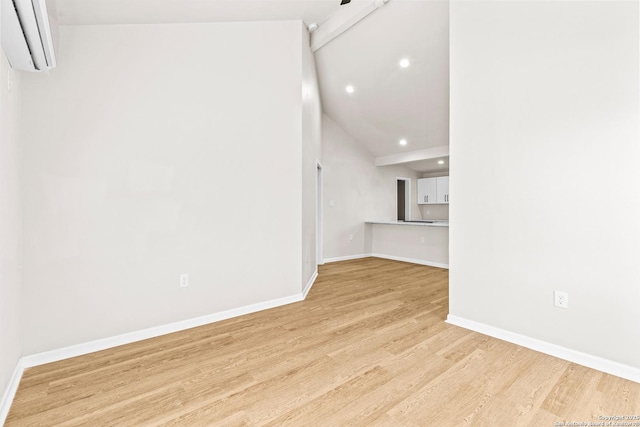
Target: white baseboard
[10, 392]
[110, 342]
[584, 359]
[391, 257]
[346, 258]
[307, 288]
[130, 337]
[411, 260]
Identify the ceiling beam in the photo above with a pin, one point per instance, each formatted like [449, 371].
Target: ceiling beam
[413, 156]
[345, 18]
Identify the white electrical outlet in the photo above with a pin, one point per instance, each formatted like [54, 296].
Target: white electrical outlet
[422, 240]
[350, 237]
[184, 280]
[561, 299]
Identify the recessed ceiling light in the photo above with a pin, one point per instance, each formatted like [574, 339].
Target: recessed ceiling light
[404, 63]
[349, 89]
[441, 162]
[403, 142]
[312, 27]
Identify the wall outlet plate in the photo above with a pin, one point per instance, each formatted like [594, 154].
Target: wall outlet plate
[184, 280]
[561, 299]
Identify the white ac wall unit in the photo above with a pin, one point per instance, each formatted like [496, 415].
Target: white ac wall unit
[26, 35]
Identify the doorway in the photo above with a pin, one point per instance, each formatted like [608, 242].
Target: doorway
[403, 199]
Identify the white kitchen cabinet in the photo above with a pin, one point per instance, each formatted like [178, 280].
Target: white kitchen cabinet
[433, 191]
[427, 191]
[442, 187]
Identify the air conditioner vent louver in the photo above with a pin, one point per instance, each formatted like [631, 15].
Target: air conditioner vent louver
[26, 35]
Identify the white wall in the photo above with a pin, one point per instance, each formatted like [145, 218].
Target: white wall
[434, 211]
[361, 191]
[544, 134]
[412, 243]
[10, 226]
[311, 154]
[136, 146]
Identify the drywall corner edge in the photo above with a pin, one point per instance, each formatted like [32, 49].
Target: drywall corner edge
[590, 361]
[307, 288]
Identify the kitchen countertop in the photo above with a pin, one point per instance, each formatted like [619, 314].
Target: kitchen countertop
[436, 223]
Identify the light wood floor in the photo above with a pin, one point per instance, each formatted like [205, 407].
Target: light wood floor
[368, 347]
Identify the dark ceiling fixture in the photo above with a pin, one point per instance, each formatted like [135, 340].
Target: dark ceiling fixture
[344, 2]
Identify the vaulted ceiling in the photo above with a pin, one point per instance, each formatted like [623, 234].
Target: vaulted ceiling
[389, 102]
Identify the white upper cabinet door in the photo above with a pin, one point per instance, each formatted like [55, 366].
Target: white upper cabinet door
[427, 191]
[443, 189]
[422, 191]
